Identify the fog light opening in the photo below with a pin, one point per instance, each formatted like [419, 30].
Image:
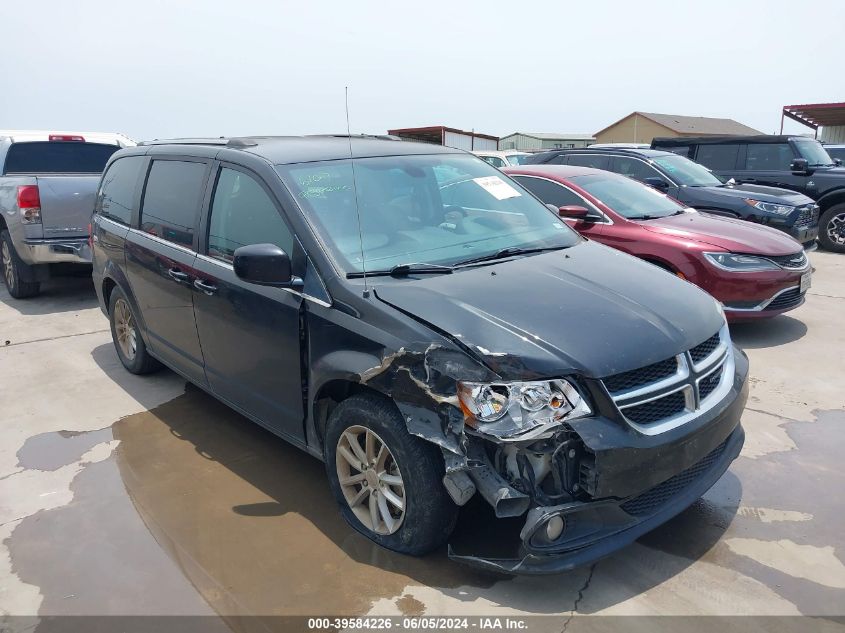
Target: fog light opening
[554, 528]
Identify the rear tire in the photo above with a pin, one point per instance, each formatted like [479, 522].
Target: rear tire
[128, 342]
[410, 470]
[13, 266]
[832, 229]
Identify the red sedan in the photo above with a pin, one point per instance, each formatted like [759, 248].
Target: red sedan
[754, 270]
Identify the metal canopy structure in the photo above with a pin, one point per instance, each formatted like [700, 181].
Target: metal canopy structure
[815, 115]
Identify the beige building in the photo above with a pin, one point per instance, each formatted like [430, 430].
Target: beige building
[528, 141]
[642, 127]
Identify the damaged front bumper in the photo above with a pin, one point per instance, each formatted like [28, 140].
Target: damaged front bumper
[661, 480]
[597, 529]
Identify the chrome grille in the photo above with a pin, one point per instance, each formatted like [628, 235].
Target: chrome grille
[653, 400]
[702, 351]
[642, 376]
[796, 261]
[655, 410]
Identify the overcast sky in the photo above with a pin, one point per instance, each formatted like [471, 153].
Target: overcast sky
[156, 69]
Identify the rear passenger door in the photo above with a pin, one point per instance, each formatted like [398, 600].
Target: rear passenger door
[250, 334]
[160, 260]
[767, 164]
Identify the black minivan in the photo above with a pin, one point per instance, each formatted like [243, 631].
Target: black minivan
[423, 324]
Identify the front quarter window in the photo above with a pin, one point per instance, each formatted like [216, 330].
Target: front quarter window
[439, 209]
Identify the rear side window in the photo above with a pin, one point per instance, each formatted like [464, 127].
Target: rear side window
[550, 192]
[172, 200]
[242, 214]
[587, 160]
[633, 168]
[718, 156]
[117, 191]
[768, 156]
[58, 157]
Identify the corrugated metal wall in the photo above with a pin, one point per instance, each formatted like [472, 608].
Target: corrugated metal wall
[522, 142]
[833, 134]
[465, 141]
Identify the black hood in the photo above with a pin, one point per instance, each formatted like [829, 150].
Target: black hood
[588, 309]
[775, 195]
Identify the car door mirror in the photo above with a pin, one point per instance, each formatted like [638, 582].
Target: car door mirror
[265, 265]
[573, 211]
[657, 183]
[800, 166]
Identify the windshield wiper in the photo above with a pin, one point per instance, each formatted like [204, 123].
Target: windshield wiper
[402, 270]
[508, 252]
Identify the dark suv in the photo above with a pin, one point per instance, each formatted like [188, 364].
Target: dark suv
[793, 162]
[429, 329]
[695, 186]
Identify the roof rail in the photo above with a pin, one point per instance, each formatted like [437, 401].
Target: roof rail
[222, 141]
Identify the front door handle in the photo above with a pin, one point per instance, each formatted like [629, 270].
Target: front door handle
[751, 180]
[204, 286]
[177, 275]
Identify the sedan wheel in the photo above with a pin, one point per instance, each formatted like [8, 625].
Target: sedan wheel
[370, 480]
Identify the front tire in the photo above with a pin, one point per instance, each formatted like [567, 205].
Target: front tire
[13, 266]
[128, 342]
[387, 482]
[832, 229]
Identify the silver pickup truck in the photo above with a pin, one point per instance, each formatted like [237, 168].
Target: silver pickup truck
[48, 182]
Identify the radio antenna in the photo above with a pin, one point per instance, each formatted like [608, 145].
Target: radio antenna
[355, 193]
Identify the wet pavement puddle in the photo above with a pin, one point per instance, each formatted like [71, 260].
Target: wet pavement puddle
[200, 511]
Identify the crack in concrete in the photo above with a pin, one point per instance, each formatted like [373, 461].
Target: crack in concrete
[54, 338]
[580, 596]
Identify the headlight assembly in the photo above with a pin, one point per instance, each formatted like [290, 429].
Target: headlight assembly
[769, 207]
[739, 263]
[520, 410]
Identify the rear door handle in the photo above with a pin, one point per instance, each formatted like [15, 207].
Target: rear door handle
[177, 275]
[204, 286]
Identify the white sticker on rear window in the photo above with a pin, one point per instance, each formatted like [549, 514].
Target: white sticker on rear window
[496, 187]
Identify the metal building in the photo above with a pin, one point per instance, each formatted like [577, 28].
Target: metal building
[830, 117]
[527, 141]
[448, 136]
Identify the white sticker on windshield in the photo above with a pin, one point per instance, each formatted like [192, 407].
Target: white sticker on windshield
[496, 187]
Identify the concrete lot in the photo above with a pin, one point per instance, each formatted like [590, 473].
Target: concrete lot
[136, 495]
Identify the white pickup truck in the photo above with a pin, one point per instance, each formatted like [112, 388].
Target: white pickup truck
[48, 182]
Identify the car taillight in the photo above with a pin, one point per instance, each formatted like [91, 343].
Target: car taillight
[67, 137]
[29, 203]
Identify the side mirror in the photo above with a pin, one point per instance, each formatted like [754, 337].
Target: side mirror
[574, 211]
[657, 183]
[265, 265]
[800, 166]
[837, 162]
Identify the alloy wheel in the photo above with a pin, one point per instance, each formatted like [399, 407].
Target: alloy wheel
[836, 229]
[370, 479]
[8, 266]
[124, 327]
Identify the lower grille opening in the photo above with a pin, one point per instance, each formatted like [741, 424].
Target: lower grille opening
[788, 299]
[649, 501]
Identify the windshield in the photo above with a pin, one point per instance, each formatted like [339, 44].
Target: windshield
[438, 209]
[628, 198]
[517, 159]
[813, 151]
[685, 172]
